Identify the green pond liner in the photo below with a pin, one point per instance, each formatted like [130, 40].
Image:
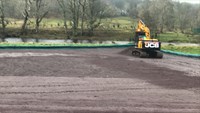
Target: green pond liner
[96, 47]
[65, 47]
[181, 54]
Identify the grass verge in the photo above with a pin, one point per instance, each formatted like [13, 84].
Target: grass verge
[179, 38]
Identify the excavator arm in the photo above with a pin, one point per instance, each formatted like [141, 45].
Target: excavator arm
[143, 28]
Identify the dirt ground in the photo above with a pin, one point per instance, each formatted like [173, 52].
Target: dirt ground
[97, 81]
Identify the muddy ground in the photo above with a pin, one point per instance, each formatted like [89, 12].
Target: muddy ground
[97, 81]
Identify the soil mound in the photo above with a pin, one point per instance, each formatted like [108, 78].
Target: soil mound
[127, 51]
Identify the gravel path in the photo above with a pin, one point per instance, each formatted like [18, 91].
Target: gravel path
[97, 81]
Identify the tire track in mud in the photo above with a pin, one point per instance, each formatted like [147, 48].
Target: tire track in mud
[80, 91]
[48, 109]
[97, 87]
[161, 76]
[150, 108]
[191, 66]
[109, 102]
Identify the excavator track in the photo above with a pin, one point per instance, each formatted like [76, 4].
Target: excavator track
[146, 54]
[159, 54]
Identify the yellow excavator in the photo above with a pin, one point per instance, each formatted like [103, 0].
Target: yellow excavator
[145, 46]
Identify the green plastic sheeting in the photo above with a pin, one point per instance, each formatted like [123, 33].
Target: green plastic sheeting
[65, 47]
[181, 54]
[95, 47]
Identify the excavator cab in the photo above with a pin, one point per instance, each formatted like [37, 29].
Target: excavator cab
[142, 42]
[139, 36]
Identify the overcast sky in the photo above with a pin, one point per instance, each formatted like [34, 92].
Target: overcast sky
[190, 1]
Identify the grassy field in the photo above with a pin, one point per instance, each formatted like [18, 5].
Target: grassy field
[113, 29]
[178, 37]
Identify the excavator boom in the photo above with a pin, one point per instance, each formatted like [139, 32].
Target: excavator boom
[143, 28]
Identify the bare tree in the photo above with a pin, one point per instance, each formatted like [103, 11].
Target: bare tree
[184, 16]
[39, 14]
[2, 14]
[83, 11]
[95, 12]
[63, 6]
[120, 4]
[132, 8]
[26, 15]
[167, 15]
[74, 8]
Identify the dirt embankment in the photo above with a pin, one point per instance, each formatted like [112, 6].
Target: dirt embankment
[96, 81]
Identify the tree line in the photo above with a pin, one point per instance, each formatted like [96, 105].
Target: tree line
[80, 12]
[87, 15]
